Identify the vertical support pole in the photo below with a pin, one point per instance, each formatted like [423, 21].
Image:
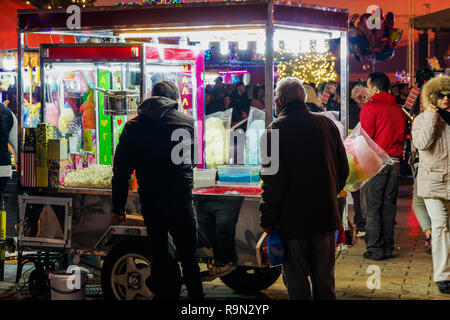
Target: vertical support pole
[344, 81]
[19, 102]
[344, 102]
[413, 43]
[269, 64]
[142, 66]
[97, 120]
[43, 86]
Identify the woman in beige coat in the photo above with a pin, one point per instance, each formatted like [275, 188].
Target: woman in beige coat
[431, 136]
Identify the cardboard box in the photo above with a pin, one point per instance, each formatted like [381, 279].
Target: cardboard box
[44, 132]
[42, 177]
[89, 140]
[28, 169]
[57, 170]
[57, 149]
[41, 163]
[29, 140]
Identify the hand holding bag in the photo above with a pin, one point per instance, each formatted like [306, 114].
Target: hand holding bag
[275, 250]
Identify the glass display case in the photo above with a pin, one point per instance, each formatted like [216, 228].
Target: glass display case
[89, 93]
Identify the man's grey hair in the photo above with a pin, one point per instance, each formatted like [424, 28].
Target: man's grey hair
[291, 89]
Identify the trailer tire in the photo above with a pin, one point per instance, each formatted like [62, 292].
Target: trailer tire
[126, 272]
[251, 280]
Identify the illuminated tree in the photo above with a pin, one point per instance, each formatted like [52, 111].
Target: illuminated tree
[309, 66]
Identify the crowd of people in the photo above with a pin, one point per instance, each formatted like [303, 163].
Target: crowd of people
[306, 219]
[378, 107]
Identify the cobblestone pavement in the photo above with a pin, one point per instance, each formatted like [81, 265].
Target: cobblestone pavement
[406, 276]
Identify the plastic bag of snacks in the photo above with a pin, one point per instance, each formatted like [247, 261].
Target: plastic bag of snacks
[255, 128]
[365, 158]
[217, 138]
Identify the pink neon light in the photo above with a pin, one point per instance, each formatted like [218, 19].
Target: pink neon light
[233, 72]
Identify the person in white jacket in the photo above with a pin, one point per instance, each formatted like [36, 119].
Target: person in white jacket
[431, 136]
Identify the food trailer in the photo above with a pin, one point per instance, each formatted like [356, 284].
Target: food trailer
[88, 93]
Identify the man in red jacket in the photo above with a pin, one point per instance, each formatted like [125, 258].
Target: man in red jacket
[384, 121]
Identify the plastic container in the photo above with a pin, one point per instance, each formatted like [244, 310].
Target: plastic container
[238, 174]
[61, 283]
[204, 178]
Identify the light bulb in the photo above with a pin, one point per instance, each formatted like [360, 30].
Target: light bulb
[260, 46]
[204, 45]
[183, 42]
[242, 44]
[321, 46]
[9, 62]
[223, 47]
[305, 46]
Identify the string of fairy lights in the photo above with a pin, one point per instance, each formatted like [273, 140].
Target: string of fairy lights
[311, 66]
[55, 4]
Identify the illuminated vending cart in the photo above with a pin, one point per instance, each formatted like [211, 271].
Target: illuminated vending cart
[71, 79]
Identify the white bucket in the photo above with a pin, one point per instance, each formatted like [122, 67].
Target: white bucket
[66, 286]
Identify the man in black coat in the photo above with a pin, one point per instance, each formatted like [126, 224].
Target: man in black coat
[300, 198]
[165, 187]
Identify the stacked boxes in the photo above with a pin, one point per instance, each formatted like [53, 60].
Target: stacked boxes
[44, 132]
[57, 161]
[89, 140]
[57, 170]
[28, 169]
[57, 149]
[29, 144]
[28, 159]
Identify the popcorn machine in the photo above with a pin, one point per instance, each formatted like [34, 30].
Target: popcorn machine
[91, 90]
[89, 93]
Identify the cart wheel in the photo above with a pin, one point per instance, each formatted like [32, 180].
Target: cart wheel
[126, 272]
[251, 280]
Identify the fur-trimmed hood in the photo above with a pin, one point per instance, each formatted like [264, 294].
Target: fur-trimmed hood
[433, 86]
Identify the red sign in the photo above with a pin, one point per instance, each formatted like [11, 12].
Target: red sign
[93, 53]
[180, 54]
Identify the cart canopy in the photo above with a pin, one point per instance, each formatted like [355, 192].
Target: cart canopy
[438, 21]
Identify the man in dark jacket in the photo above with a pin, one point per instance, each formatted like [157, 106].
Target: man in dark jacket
[300, 198]
[165, 188]
[384, 122]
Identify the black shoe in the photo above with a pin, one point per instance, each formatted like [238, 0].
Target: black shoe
[370, 256]
[389, 256]
[444, 286]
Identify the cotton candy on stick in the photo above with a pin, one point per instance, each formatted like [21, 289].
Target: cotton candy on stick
[66, 116]
[215, 140]
[364, 163]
